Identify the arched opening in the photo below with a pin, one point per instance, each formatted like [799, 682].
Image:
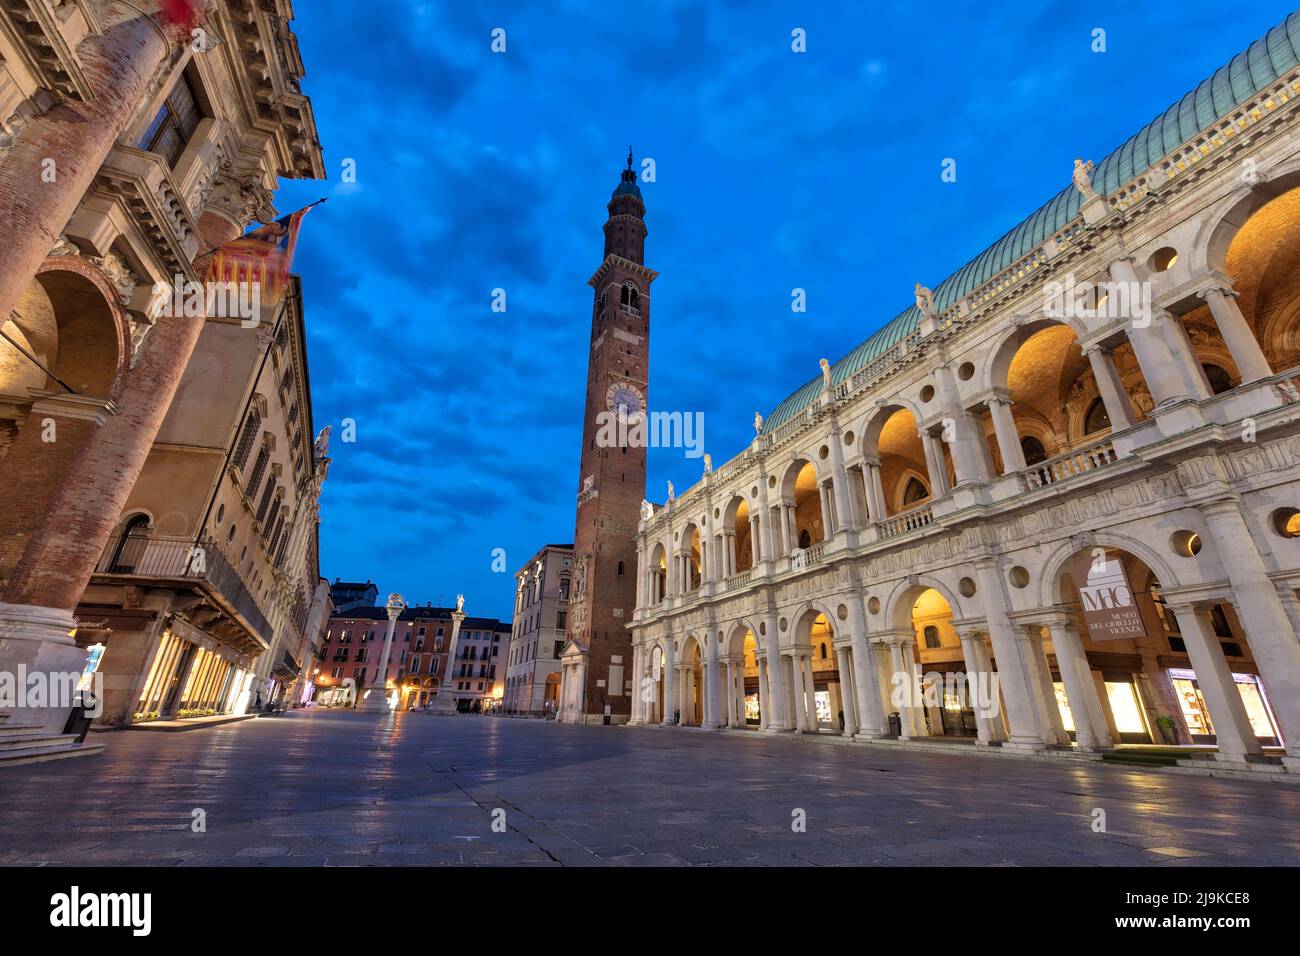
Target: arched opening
[946, 707]
[690, 684]
[1257, 246]
[801, 509]
[742, 704]
[1055, 395]
[903, 479]
[1162, 672]
[738, 537]
[64, 322]
[814, 683]
[658, 583]
[690, 559]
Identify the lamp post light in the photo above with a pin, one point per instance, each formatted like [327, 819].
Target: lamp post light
[377, 701]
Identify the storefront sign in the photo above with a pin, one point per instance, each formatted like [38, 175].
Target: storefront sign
[1107, 601]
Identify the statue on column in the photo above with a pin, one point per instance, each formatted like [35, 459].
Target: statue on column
[826, 372]
[758, 423]
[460, 603]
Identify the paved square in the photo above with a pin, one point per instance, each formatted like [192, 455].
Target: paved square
[338, 788]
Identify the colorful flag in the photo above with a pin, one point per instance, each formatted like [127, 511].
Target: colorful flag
[263, 256]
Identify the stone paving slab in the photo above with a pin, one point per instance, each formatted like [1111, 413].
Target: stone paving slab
[329, 788]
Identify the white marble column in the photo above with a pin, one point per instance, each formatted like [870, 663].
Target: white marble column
[712, 686]
[846, 691]
[1004, 426]
[866, 676]
[1111, 387]
[764, 696]
[1235, 738]
[1017, 672]
[934, 464]
[809, 694]
[669, 678]
[1090, 729]
[1044, 690]
[1241, 341]
[982, 686]
[1151, 345]
[1268, 628]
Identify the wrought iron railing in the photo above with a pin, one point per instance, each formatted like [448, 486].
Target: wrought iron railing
[151, 556]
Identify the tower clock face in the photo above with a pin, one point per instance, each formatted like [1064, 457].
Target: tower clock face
[625, 400]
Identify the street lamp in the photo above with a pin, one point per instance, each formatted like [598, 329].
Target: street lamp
[377, 701]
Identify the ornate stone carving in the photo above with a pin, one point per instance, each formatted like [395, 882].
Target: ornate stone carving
[119, 273]
[240, 195]
[63, 248]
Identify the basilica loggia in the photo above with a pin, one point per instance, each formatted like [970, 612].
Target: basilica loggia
[1053, 505]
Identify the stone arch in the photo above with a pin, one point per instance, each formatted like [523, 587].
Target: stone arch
[1058, 560]
[869, 426]
[69, 322]
[736, 636]
[1209, 251]
[804, 614]
[902, 598]
[997, 359]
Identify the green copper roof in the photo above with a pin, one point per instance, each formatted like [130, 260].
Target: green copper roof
[1262, 63]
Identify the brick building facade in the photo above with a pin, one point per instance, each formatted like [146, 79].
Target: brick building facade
[128, 151]
[611, 486]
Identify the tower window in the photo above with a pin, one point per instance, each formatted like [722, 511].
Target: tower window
[620, 569]
[630, 299]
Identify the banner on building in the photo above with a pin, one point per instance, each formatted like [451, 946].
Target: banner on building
[1109, 608]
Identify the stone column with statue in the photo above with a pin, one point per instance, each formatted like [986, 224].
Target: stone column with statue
[445, 702]
[376, 701]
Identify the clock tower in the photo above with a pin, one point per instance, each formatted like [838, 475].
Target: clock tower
[597, 660]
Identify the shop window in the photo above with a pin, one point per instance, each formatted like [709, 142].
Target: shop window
[1097, 418]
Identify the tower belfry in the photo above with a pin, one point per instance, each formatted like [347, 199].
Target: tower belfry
[597, 658]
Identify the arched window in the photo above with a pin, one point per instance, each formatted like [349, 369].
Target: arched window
[914, 491]
[932, 639]
[823, 650]
[1033, 450]
[1097, 419]
[805, 539]
[630, 298]
[1219, 379]
[620, 569]
[130, 547]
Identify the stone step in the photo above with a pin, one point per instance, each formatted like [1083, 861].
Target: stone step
[34, 738]
[9, 730]
[41, 754]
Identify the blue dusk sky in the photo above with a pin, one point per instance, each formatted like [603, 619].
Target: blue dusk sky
[775, 170]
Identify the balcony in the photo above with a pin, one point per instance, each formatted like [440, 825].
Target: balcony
[1076, 462]
[910, 520]
[180, 563]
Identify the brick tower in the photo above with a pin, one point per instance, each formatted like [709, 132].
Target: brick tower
[611, 482]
